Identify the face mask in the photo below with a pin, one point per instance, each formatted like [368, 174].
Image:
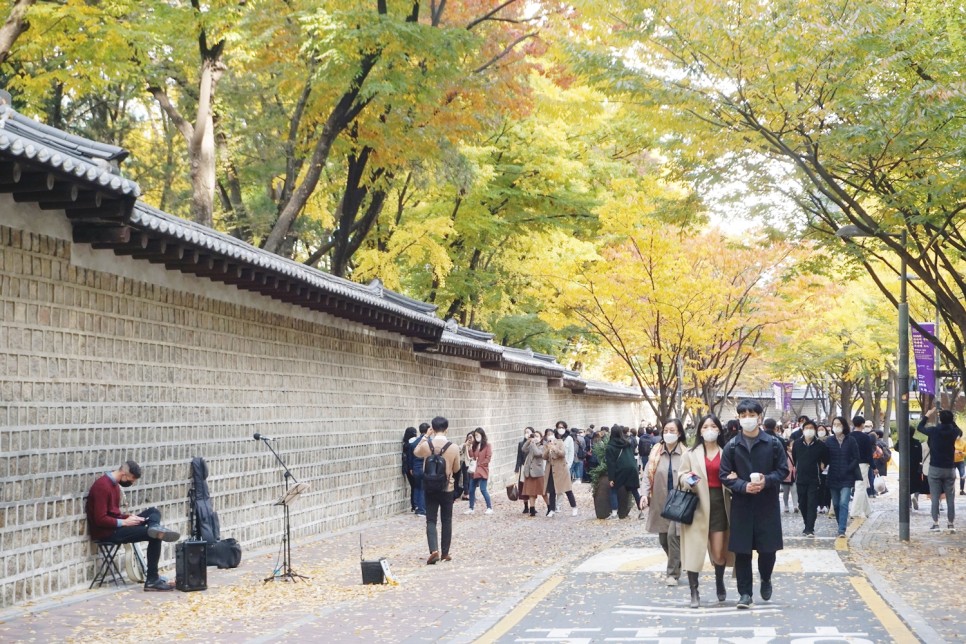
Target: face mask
[710, 435]
[125, 483]
[748, 424]
[809, 434]
[670, 439]
[837, 429]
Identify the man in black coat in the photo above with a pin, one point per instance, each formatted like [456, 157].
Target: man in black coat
[753, 466]
[810, 456]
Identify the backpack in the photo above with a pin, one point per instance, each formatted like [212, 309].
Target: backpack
[434, 469]
[581, 450]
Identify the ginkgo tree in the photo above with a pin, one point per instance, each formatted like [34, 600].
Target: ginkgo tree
[852, 110]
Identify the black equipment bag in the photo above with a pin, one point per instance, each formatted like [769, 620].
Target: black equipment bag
[204, 518]
[224, 553]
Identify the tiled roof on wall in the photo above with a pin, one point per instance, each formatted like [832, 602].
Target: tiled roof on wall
[63, 172]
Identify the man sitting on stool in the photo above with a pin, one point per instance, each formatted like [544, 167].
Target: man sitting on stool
[107, 523]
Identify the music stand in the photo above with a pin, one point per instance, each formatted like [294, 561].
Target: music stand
[292, 493]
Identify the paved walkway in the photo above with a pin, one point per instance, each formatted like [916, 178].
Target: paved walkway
[507, 571]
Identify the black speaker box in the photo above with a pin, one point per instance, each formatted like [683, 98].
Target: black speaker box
[191, 566]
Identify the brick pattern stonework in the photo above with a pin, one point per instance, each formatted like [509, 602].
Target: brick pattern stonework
[97, 366]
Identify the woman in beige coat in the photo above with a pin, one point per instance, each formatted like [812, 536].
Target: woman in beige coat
[709, 530]
[665, 456]
[534, 470]
[558, 479]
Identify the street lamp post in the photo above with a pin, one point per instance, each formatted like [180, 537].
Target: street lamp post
[902, 384]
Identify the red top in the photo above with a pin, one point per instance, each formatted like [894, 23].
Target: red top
[103, 507]
[713, 466]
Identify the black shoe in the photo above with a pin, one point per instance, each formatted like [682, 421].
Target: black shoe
[533, 512]
[526, 510]
[162, 533]
[766, 589]
[159, 585]
[719, 586]
[744, 602]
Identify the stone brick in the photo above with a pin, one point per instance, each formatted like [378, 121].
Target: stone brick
[97, 368]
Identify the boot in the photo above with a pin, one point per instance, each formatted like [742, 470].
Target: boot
[693, 583]
[719, 582]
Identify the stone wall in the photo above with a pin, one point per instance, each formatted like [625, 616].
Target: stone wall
[106, 358]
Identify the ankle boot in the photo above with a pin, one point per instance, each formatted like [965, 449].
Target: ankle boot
[693, 583]
[719, 586]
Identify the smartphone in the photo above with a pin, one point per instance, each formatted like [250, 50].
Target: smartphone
[692, 478]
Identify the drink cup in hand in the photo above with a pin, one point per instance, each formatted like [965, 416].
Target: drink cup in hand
[756, 477]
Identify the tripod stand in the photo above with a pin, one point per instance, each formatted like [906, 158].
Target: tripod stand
[291, 494]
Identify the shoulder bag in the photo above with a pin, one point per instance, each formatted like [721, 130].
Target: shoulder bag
[680, 504]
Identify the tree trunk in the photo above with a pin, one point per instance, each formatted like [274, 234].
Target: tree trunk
[867, 397]
[15, 25]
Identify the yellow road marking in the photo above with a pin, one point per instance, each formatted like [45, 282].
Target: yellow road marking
[890, 621]
[841, 544]
[514, 616]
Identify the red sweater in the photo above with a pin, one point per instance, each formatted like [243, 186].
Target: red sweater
[104, 507]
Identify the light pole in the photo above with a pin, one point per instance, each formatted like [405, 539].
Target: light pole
[902, 384]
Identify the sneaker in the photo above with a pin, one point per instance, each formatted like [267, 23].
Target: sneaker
[470, 511]
[573, 512]
[935, 527]
[951, 528]
[158, 585]
[489, 511]
[671, 581]
[433, 558]
[810, 534]
[804, 533]
[613, 514]
[841, 535]
[962, 493]
[550, 514]
[163, 534]
[744, 602]
[787, 510]
[915, 502]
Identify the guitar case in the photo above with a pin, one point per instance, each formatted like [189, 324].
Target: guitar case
[223, 553]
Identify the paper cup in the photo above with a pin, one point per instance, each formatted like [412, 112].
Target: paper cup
[756, 477]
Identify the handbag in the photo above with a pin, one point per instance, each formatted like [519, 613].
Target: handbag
[680, 504]
[512, 487]
[471, 466]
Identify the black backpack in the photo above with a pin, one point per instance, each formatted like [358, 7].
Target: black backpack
[434, 469]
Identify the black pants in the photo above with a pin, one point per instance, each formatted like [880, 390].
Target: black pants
[412, 491]
[138, 533]
[439, 503]
[808, 504]
[552, 494]
[766, 563]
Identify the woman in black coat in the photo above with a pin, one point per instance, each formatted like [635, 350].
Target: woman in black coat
[621, 468]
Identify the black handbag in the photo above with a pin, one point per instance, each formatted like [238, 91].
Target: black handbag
[680, 504]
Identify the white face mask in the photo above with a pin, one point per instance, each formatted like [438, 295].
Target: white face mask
[822, 434]
[836, 429]
[809, 434]
[710, 435]
[748, 424]
[670, 439]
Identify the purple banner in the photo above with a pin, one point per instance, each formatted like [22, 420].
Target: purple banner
[783, 395]
[924, 353]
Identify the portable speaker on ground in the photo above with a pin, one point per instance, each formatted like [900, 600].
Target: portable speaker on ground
[372, 572]
[191, 565]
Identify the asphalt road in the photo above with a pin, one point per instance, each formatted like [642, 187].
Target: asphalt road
[619, 595]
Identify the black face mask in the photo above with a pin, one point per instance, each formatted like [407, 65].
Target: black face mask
[125, 483]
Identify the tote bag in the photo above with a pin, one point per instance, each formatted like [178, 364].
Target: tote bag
[680, 504]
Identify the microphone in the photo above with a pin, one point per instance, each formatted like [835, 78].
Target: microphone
[262, 437]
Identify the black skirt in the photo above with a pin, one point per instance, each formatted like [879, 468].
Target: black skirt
[718, 521]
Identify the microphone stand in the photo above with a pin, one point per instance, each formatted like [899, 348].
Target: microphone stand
[287, 574]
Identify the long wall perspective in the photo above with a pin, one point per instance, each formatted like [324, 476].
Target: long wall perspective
[105, 358]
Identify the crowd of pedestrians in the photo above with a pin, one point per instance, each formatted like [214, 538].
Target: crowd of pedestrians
[742, 473]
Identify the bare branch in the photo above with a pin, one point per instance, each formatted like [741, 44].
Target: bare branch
[505, 52]
[487, 16]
